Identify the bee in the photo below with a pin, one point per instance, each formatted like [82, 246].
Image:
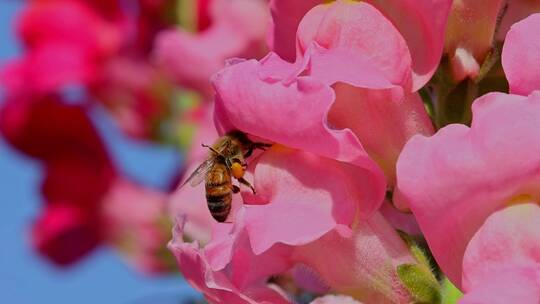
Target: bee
[226, 159]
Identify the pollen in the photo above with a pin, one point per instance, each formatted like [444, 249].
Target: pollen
[237, 170]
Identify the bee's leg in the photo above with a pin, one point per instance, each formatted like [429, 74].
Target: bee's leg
[246, 183]
[235, 189]
[256, 145]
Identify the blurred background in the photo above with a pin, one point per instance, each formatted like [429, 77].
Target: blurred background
[99, 101]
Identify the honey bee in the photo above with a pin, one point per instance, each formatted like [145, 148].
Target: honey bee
[226, 158]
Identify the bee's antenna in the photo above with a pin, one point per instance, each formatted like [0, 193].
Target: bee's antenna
[213, 150]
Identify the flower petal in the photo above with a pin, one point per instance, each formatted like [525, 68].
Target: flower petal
[422, 24]
[286, 15]
[307, 196]
[455, 179]
[291, 112]
[519, 66]
[509, 237]
[356, 33]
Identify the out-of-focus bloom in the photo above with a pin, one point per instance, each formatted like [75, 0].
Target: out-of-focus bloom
[78, 172]
[66, 42]
[475, 26]
[458, 178]
[86, 201]
[138, 225]
[136, 94]
[237, 29]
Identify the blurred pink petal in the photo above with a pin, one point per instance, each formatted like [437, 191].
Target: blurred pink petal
[520, 66]
[455, 179]
[238, 29]
[65, 233]
[67, 22]
[135, 94]
[49, 68]
[137, 224]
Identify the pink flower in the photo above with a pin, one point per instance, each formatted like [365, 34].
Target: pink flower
[238, 28]
[456, 179]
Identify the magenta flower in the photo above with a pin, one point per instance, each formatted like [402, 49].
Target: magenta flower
[455, 181]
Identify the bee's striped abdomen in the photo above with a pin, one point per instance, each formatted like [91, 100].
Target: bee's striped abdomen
[219, 192]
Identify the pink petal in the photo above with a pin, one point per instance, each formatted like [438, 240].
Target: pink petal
[383, 120]
[218, 286]
[510, 236]
[68, 22]
[455, 179]
[64, 234]
[289, 112]
[356, 34]
[137, 225]
[286, 15]
[363, 264]
[520, 66]
[422, 24]
[510, 285]
[307, 197]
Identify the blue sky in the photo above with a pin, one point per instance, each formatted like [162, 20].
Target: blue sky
[25, 278]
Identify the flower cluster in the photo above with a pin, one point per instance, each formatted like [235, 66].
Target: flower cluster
[400, 159]
[368, 191]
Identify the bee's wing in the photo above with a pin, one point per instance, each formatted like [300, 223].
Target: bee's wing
[199, 174]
